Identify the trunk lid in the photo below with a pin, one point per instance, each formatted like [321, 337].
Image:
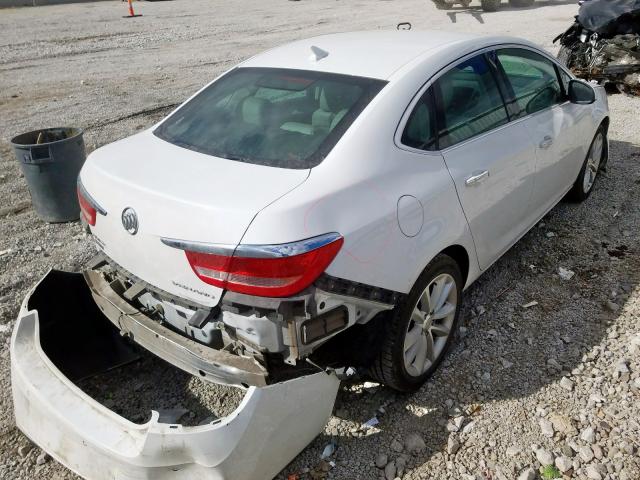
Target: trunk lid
[180, 194]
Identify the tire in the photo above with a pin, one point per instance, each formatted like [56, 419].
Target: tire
[390, 367]
[589, 172]
[564, 56]
[490, 5]
[521, 3]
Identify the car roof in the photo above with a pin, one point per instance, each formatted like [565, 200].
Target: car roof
[374, 54]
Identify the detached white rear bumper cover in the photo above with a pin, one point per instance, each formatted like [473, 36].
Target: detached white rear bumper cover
[269, 428]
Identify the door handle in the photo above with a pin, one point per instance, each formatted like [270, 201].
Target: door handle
[546, 142]
[476, 177]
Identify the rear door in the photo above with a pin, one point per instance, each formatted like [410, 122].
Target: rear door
[536, 95]
[491, 160]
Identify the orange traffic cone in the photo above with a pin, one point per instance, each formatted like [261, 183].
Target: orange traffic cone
[131, 13]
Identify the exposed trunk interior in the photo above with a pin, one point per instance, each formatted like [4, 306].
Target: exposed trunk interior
[89, 350]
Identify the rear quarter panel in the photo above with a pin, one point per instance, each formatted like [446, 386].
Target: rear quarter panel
[600, 107]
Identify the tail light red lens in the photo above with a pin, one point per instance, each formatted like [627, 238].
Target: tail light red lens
[89, 208]
[267, 271]
[86, 209]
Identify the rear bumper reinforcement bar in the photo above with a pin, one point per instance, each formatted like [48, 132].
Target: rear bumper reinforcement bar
[214, 365]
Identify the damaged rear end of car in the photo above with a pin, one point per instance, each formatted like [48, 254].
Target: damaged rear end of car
[168, 209]
[77, 325]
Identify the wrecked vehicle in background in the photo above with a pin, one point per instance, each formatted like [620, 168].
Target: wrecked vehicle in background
[604, 43]
[321, 206]
[486, 5]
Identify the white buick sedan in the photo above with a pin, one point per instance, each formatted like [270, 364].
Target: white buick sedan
[321, 205]
[340, 180]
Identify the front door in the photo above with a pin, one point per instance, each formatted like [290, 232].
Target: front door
[553, 123]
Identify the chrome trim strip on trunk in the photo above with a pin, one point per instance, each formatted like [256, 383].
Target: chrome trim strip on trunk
[200, 247]
[255, 251]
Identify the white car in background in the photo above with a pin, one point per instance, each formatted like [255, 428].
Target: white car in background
[326, 203]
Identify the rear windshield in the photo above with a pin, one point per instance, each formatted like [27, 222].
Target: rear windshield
[277, 117]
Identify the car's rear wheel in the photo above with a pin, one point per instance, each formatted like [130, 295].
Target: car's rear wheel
[595, 159]
[420, 330]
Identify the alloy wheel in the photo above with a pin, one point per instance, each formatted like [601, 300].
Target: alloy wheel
[430, 325]
[593, 162]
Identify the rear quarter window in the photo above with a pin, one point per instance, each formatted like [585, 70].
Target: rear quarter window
[420, 131]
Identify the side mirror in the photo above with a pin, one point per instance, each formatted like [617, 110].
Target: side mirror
[581, 92]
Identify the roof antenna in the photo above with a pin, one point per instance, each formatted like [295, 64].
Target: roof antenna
[318, 53]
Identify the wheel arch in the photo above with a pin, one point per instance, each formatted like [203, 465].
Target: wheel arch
[461, 257]
[605, 124]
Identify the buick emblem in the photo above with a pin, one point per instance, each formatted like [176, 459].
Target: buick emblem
[130, 220]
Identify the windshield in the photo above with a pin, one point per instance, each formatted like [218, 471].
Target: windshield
[276, 117]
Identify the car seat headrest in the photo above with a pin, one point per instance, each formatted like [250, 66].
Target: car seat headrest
[336, 96]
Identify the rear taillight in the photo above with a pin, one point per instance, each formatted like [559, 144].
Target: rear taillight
[89, 209]
[265, 270]
[88, 212]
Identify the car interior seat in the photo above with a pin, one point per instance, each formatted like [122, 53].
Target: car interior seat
[255, 111]
[334, 101]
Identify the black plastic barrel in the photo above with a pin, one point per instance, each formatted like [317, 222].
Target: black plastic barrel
[51, 160]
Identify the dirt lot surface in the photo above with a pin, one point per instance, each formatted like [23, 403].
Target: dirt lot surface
[557, 382]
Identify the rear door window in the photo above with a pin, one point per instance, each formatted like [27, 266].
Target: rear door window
[533, 79]
[470, 102]
[276, 117]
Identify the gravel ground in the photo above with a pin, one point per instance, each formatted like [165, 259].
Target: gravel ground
[554, 383]
[151, 383]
